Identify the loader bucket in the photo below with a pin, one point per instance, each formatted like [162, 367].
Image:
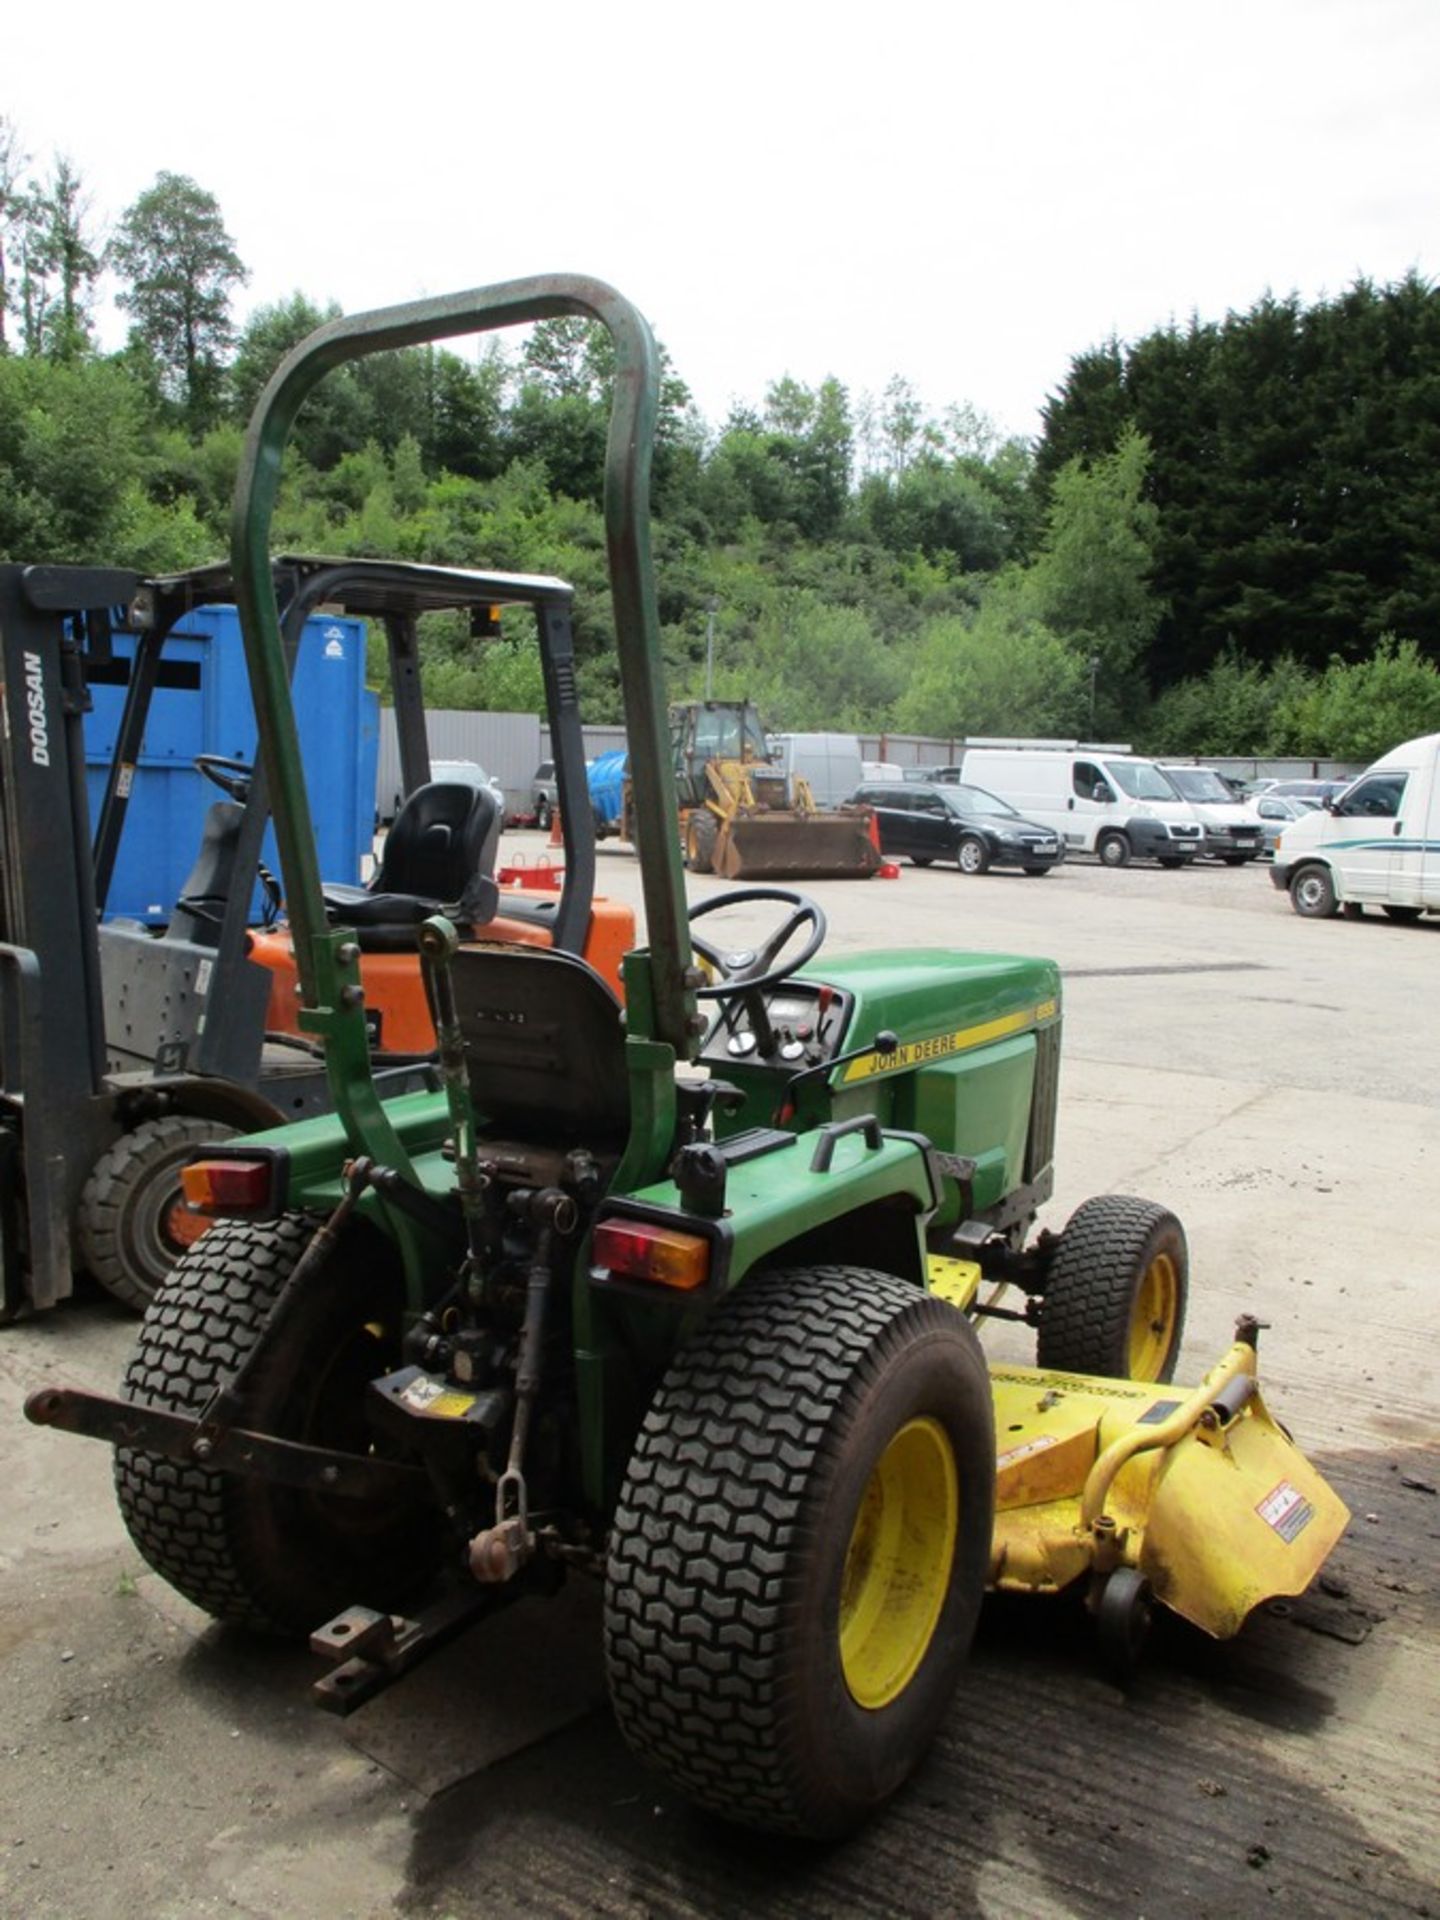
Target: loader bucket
[796, 846]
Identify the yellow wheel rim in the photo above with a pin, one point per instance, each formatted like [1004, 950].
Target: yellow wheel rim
[1152, 1324]
[897, 1566]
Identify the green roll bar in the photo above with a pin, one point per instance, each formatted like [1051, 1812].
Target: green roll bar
[326, 958]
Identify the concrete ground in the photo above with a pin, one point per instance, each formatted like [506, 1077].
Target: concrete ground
[1272, 1079]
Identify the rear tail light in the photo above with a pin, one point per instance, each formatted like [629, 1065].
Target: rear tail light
[642, 1250]
[228, 1186]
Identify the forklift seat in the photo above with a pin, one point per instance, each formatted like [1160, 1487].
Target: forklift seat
[439, 857]
[544, 1047]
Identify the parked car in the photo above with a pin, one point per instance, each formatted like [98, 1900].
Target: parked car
[1101, 800]
[542, 793]
[468, 773]
[1273, 812]
[829, 763]
[975, 829]
[1232, 834]
[1317, 790]
[1376, 844]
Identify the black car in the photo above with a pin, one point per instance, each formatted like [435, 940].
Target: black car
[975, 829]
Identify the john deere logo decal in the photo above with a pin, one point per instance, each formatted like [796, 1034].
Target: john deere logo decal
[915, 1053]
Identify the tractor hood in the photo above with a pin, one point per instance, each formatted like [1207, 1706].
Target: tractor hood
[938, 1002]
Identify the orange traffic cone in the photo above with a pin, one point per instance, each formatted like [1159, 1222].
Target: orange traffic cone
[887, 869]
[555, 837]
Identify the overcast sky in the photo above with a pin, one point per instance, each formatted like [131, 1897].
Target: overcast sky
[964, 195]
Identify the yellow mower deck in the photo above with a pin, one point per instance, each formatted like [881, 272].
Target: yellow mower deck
[1198, 1490]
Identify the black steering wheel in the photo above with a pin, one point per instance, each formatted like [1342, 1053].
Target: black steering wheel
[231, 776]
[746, 970]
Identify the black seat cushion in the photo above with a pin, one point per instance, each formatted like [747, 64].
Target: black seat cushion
[439, 857]
[545, 1047]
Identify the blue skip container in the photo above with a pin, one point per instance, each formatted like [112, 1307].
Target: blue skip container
[201, 704]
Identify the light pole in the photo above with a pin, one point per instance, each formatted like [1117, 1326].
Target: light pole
[709, 644]
[1094, 676]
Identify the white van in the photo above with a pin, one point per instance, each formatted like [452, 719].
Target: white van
[1232, 832]
[1376, 844]
[1101, 800]
[830, 762]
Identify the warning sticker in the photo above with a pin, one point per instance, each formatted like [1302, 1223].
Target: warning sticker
[1287, 1510]
[431, 1396]
[1040, 1444]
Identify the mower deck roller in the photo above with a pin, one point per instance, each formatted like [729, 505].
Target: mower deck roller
[802, 846]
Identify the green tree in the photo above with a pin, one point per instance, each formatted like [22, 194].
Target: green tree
[1361, 709]
[64, 255]
[1090, 581]
[1002, 672]
[180, 267]
[13, 162]
[71, 451]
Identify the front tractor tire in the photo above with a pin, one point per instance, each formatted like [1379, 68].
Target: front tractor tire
[1115, 1293]
[133, 1224]
[272, 1558]
[801, 1547]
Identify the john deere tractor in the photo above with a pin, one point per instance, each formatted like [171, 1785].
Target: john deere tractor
[679, 1294]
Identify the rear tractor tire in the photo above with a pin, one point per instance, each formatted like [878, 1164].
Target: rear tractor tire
[133, 1224]
[1115, 1294]
[1113, 850]
[801, 1546]
[273, 1558]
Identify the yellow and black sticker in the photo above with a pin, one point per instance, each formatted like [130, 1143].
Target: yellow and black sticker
[937, 1046]
[430, 1397]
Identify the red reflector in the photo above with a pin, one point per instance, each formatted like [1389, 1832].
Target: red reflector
[227, 1186]
[641, 1250]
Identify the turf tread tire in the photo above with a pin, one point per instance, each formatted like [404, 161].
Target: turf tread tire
[197, 1529]
[1086, 1309]
[708, 1550]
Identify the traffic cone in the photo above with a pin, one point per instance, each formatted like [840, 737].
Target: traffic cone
[887, 869]
[555, 836]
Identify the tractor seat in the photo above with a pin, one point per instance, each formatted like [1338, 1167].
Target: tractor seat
[544, 1047]
[439, 857]
[200, 909]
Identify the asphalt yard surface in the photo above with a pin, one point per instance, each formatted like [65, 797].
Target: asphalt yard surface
[1271, 1079]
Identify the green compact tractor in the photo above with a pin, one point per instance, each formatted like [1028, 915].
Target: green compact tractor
[682, 1295]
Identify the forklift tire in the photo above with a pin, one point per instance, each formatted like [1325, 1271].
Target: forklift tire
[272, 1558]
[1115, 1292]
[701, 833]
[132, 1222]
[801, 1546]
